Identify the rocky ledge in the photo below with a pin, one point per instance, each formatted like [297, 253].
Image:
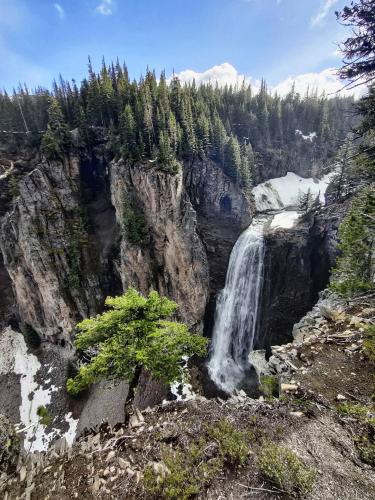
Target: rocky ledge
[321, 425]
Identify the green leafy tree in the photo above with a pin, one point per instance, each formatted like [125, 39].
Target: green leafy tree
[355, 269]
[56, 140]
[134, 333]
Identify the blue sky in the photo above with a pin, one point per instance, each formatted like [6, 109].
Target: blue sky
[215, 39]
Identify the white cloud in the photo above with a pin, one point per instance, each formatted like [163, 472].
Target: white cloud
[319, 18]
[60, 11]
[222, 74]
[324, 81]
[105, 8]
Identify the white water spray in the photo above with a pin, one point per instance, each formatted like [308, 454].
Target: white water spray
[237, 310]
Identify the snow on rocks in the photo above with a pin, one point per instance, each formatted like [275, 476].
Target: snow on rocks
[283, 192]
[285, 220]
[15, 358]
[309, 137]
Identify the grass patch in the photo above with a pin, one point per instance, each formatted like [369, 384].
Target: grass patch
[284, 469]
[357, 411]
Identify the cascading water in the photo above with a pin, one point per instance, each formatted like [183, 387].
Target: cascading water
[237, 310]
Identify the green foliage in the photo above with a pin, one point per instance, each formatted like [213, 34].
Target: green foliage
[232, 159]
[135, 332]
[269, 385]
[135, 226]
[56, 140]
[44, 417]
[345, 165]
[357, 411]
[355, 267]
[307, 204]
[170, 123]
[283, 468]
[233, 446]
[369, 342]
[186, 473]
[366, 448]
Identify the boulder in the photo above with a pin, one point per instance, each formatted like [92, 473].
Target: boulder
[105, 403]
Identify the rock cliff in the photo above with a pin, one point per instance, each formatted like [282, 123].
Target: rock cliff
[296, 268]
[75, 231]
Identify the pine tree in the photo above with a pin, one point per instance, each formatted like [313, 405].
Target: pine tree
[305, 202]
[247, 165]
[355, 268]
[56, 140]
[232, 162]
[127, 130]
[343, 182]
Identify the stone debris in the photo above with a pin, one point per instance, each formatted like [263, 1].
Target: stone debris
[288, 387]
[341, 397]
[137, 419]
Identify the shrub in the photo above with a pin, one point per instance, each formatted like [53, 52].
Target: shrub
[283, 468]
[269, 385]
[366, 448]
[44, 417]
[233, 446]
[182, 475]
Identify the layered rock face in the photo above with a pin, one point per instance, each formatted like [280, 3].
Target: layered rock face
[172, 260]
[66, 243]
[43, 251]
[296, 268]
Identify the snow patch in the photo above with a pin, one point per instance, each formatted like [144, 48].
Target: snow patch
[183, 391]
[285, 220]
[284, 192]
[70, 434]
[310, 137]
[32, 397]
[15, 358]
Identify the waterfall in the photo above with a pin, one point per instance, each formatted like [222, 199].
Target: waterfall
[237, 310]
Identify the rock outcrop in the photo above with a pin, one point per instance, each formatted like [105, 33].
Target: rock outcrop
[297, 264]
[69, 238]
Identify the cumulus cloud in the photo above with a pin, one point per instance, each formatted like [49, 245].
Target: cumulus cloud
[324, 81]
[105, 8]
[222, 74]
[319, 18]
[226, 74]
[60, 11]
